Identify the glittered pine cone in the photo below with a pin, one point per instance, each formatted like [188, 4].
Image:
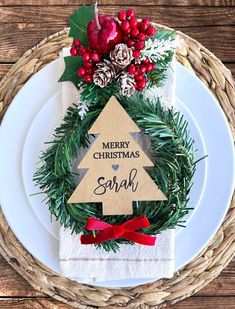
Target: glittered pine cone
[121, 56]
[104, 74]
[126, 82]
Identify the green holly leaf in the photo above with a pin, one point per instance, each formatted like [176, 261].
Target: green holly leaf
[79, 21]
[70, 73]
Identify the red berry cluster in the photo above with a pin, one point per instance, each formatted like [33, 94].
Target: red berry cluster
[89, 56]
[139, 70]
[135, 32]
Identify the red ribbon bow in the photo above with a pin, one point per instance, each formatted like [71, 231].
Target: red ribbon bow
[125, 230]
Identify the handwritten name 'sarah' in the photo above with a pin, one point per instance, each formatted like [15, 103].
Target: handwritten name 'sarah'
[113, 184]
[116, 154]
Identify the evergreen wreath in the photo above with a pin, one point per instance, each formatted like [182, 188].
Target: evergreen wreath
[174, 168]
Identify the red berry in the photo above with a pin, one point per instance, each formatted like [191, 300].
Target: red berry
[125, 26]
[132, 69]
[145, 61]
[141, 83]
[126, 38]
[95, 57]
[122, 16]
[73, 51]
[81, 51]
[141, 36]
[86, 56]
[88, 64]
[136, 53]
[139, 77]
[76, 43]
[88, 78]
[151, 31]
[89, 71]
[130, 13]
[137, 66]
[133, 22]
[81, 71]
[146, 21]
[139, 45]
[130, 43]
[142, 69]
[154, 66]
[149, 67]
[142, 27]
[134, 32]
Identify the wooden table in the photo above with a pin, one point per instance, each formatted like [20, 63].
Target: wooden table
[23, 23]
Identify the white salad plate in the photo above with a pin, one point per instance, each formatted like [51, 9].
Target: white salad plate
[37, 110]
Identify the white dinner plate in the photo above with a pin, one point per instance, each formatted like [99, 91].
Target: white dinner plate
[31, 119]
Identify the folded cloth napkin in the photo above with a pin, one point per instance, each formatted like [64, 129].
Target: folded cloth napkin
[85, 263]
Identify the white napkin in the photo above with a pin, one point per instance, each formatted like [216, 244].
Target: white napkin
[85, 263]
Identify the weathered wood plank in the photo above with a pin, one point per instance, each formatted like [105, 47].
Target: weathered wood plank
[205, 302]
[31, 303]
[122, 2]
[12, 284]
[171, 16]
[17, 38]
[221, 286]
[192, 302]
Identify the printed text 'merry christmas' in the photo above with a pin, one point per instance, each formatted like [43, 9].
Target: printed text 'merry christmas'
[113, 145]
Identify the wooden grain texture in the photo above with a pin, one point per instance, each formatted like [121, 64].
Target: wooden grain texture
[213, 27]
[31, 303]
[45, 303]
[12, 284]
[206, 303]
[122, 2]
[23, 23]
[170, 16]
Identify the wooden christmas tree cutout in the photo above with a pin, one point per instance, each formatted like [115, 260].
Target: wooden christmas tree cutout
[116, 176]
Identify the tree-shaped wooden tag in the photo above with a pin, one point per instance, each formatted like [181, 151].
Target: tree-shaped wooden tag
[116, 176]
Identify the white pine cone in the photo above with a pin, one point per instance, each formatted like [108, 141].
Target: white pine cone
[126, 82]
[104, 74]
[121, 56]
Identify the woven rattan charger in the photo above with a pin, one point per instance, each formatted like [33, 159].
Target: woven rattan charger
[188, 280]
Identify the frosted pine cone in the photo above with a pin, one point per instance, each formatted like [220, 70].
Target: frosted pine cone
[104, 74]
[126, 82]
[121, 56]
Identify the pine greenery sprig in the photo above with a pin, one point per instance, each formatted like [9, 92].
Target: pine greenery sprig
[174, 167]
[160, 49]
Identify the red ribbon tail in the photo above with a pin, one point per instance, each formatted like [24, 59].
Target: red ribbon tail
[141, 239]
